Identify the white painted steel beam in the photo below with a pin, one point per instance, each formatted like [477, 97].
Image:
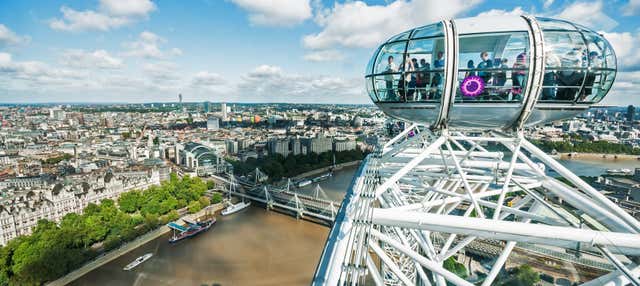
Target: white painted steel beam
[626, 243]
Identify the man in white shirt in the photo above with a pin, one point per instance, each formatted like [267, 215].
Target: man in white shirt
[388, 78]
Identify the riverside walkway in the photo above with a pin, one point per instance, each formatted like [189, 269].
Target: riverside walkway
[113, 254]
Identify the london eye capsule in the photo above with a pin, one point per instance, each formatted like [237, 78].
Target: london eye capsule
[491, 73]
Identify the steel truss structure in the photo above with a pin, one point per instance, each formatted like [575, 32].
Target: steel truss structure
[425, 197]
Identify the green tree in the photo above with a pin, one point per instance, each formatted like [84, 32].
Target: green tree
[216, 198]
[194, 207]
[130, 202]
[457, 268]
[525, 276]
[204, 201]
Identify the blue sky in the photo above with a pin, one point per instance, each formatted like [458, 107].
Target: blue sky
[245, 50]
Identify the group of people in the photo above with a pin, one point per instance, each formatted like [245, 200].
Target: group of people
[562, 81]
[417, 82]
[494, 75]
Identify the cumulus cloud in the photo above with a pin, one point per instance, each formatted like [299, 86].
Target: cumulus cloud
[632, 8]
[358, 24]
[161, 71]
[626, 46]
[276, 12]
[207, 79]
[112, 14]
[35, 73]
[624, 90]
[87, 59]
[9, 38]
[589, 14]
[127, 7]
[517, 11]
[148, 46]
[324, 56]
[547, 3]
[268, 83]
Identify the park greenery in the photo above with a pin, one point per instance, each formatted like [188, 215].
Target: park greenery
[455, 267]
[277, 166]
[57, 159]
[600, 147]
[52, 250]
[524, 275]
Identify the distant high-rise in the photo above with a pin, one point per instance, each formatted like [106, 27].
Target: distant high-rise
[180, 98]
[206, 106]
[223, 108]
[631, 112]
[213, 123]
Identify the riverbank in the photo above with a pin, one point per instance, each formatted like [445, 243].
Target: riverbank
[326, 169]
[597, 156]
[125, 248]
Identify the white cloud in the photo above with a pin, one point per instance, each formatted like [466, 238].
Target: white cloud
[9, 38]
[357, 24]
[112, 14]
[148, 46]
[207, 79]
[632, 8]
[276, 12]
[127, 7]
[86, 59]
[547, 3]
[589, 14]
[324, 56]
[517, 11]
[626, 46]
[35, 73]
[86, 20]
[624, 90]
[268, 83]
[162, 71]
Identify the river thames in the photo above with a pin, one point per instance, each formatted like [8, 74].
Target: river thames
[255, 246]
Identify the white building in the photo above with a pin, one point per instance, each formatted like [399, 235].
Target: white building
[21, 212]
[213, 123]
[344, 145]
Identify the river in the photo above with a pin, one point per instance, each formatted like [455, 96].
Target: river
[255, 246]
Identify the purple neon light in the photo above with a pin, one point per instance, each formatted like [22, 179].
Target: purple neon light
[472, 86]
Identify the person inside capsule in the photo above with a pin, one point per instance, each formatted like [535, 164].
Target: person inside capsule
[390, 70]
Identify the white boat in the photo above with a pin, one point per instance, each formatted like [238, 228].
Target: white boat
[304, 183]
[138, 261]
[619, 171]
[235, 208]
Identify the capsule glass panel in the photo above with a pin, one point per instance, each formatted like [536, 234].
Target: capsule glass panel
[435, 30]
[566, 64]
[388, 68]
[601, 68]
[424, 69]
[492, 67]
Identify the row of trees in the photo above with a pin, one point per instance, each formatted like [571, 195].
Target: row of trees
[586, 147]
[52, 250]
[277, 166]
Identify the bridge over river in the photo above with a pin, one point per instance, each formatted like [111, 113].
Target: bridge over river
[287, 198]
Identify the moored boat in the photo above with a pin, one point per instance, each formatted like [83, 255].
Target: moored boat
[235, 208]
[192, 228]
[622, 171]
[304, 183]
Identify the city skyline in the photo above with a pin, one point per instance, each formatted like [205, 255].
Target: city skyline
[141, 51]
